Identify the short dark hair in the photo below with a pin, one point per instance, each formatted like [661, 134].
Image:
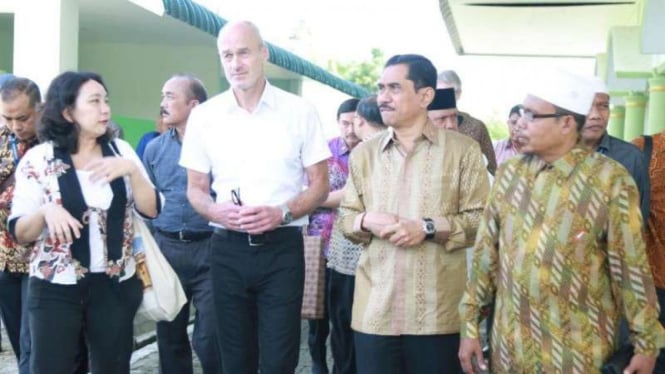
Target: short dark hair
[580, 119]
[421, 70]
[368, 109]
[16, 86]
[515, 110]
[61, 95]
[197, 90]
[347, 106]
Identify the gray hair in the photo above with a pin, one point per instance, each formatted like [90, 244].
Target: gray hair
[451, 78]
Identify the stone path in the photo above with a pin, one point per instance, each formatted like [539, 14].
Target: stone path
[145, 360]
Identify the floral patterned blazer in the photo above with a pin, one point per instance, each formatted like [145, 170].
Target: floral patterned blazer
[37, 184]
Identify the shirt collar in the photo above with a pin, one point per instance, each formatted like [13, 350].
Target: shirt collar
[430, 133]
[340, 148]
[564, 165]
[604, 144]
[268, 98]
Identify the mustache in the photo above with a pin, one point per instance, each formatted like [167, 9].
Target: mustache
[385, 106]
[163, 111]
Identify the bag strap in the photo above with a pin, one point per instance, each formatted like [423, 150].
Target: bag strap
[648, 149]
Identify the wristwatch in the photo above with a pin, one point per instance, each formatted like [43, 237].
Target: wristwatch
[287, 217]
[428, 228]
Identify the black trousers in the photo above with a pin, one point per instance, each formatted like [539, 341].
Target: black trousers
[257, 293]
[14, 307]
[319, 329]
[660, 361]
[100, 307]
[190, 260]
[407, 354]
[340, 305]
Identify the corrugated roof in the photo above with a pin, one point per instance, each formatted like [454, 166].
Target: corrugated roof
[207, 21]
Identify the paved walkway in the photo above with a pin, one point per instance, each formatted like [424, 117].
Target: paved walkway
[145, 360]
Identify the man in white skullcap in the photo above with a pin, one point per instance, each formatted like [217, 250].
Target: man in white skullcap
[595, 136]
[560, 251]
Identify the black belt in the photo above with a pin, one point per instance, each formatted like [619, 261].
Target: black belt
[277, 235]
[186, 236]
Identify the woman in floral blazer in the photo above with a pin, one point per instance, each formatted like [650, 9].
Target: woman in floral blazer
[74, 197]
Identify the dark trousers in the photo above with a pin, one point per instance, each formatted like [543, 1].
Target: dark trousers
[13, 304]
[190, 261]
[319, 329]
[340, 304]
[258, 296]
[410, 354]
[660, 361]
[101, 307]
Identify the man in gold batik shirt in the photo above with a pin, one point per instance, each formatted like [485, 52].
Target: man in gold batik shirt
[560, 248]
[414, 195]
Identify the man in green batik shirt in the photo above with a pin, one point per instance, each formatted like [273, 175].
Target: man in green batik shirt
[560, 248]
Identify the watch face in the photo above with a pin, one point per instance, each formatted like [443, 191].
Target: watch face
[429, 227]
[287, 218]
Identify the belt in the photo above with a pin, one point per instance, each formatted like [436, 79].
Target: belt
[186, 236]
[277, 235]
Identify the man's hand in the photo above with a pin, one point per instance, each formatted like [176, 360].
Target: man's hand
[376, 221]
[640, 364]
[405, 233]
[468, 349]
[226, 214]
[259, 219]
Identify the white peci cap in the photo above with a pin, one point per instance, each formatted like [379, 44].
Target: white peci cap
[565, 90]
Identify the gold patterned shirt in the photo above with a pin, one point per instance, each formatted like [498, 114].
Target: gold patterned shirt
[415, 290]
[560, 249]
[13, 257]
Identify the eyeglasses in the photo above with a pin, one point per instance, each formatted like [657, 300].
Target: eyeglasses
[529, 116]
[235, 196]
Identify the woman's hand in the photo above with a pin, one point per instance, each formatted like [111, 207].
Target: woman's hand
[60, 224]
[110, 168]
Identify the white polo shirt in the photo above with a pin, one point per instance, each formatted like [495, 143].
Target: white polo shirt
[263, 153]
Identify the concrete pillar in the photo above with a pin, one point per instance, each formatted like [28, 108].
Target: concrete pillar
[45, 39]
[635, 112]
[617, 119]
[656, 114]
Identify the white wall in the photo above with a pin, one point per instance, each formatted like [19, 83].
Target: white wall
[326, 100]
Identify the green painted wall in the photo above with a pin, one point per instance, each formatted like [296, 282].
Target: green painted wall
[6, 42]
[134, 74]
[134, 128]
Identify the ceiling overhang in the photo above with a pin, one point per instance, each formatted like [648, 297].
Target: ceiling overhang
[544, 28]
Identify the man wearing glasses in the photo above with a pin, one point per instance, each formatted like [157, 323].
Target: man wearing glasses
[19, 106]
[560, 250]
[259, 143]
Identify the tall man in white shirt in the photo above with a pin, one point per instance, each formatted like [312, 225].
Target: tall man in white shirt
[259, 143]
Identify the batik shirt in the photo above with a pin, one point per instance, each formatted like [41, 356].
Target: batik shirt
[13, 257]
[322, 219]
[560, 246]
[476, 130]
[413, 291]
[655, 232]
